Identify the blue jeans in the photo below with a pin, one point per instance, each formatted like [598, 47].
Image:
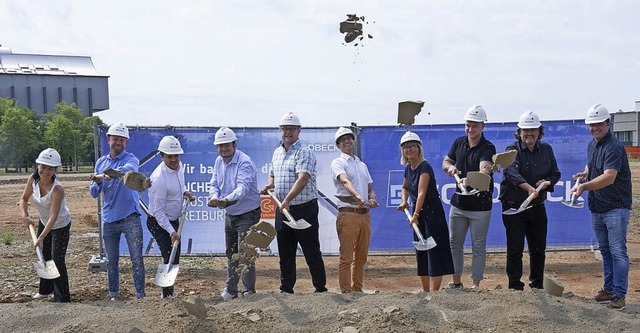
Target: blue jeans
[131, 227]
[611, 232]
[235, 229]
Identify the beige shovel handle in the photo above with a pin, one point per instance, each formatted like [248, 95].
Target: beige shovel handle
[284, 210]
[35, 240]
[526, 202]
[185, 204]
[460, 184]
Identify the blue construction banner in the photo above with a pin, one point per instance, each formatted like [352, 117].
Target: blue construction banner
[203, 232]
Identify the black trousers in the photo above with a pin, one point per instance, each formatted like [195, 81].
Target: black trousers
[163, 238]
[532, 225]
[54, 247]
[288, 239]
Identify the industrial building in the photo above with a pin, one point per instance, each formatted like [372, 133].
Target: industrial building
[39, 81]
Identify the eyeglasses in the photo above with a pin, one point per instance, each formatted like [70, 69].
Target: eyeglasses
[289, 129]
[410, 146]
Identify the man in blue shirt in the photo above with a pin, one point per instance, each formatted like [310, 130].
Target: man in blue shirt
[120, 210]
[607, 177]
[234, 186]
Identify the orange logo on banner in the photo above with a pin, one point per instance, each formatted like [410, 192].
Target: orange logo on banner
[268, 207]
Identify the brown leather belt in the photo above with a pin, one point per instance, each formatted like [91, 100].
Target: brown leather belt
[354, 210]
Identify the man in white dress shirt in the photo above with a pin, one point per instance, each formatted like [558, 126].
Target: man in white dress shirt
[165, 201]
[351, 178]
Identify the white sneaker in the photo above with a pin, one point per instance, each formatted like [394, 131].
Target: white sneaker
[39, 296]
[226, 296]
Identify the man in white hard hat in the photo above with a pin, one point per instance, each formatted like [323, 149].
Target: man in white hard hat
[166, 197]
[351, 178]
[535, 163]
[471, 152]
[293, 178]
[120, 210]
[607, 177]
[234, 187]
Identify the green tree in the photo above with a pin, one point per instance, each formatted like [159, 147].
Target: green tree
[71, 133]
[20, 134]
[61, 134]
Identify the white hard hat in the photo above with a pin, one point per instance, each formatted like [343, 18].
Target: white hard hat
[343, 131]
[119, 130]
[410, 136]
[596, 114]
[476, 113]
[170, 145]
[224, 135]
[529, 120]
[49, 157]
[290, 119]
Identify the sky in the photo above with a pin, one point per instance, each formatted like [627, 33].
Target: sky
[246, 63]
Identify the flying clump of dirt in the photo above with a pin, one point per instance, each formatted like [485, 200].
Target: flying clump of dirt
[352, 29]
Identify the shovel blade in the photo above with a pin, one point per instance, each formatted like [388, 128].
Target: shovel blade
[46, 270]
[472, 192]
[425, 244]
[511, 211]
[573, 204]
[165, 275]
[299, 224]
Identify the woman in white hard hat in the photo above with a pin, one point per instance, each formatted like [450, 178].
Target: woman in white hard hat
[47, 195]
[534, 164]
[419, 185]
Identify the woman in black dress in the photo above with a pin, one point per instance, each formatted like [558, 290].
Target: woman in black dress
[420, 186]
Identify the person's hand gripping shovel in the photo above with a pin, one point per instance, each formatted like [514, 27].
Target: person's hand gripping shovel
[422, 244]
[462, 186]
[525, 204]
[46, 269]
[573, 200]
[293, 223]
[167, 273]
[132, 179]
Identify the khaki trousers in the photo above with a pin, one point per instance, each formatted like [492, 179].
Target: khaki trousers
[354, 234]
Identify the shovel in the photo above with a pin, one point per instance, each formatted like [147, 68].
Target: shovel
[167, 273]
[293, 223]
[463, 188]
[421, 244]
[478, 180]
[525, 203]
[504, 160]
[132, 179]
[573, 201]
[46, 269]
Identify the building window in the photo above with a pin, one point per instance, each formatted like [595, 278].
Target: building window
[625, 137]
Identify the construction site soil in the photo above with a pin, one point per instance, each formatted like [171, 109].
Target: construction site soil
[392, 301]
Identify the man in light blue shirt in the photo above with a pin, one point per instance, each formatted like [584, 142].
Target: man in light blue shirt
[120, 210]
[234, 187]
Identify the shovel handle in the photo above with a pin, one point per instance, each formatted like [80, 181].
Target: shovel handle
[414, 226]
[418, 233]
[460, 185]
[35, 239]
[526, 202]
[284, 210]
[185, 206]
